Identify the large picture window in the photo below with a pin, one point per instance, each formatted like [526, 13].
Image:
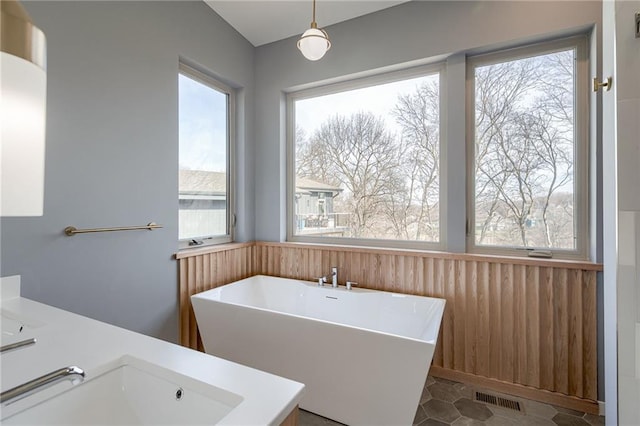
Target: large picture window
[529, 185]
[205, 137]
[366, 160]
[382, 161]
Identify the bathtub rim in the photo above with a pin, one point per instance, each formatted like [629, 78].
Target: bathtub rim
[441, 302]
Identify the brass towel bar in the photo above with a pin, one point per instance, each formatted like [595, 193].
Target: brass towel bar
[72, 230]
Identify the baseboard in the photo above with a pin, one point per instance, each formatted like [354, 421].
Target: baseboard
[541, 395]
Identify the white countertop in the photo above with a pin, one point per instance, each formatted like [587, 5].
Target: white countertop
[65, 339]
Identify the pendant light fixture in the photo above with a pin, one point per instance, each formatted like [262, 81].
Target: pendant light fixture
[23, 88]
[314, 42]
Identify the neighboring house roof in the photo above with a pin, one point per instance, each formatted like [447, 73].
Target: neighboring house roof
[200, 182]
[304, 185]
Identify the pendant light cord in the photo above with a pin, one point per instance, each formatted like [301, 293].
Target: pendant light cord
[313, 22]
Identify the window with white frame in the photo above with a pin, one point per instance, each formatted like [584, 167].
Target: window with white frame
[365, 161]
[528, 149]
[206, 115]
[371, 149]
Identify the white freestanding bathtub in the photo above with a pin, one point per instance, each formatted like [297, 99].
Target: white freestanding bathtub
[363, 355]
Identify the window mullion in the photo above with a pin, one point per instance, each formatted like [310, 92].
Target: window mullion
[453, 147]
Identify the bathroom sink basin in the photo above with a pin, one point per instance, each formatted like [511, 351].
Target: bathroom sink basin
[14, 325]
[133, 392]
[11, 326]
[17, 331]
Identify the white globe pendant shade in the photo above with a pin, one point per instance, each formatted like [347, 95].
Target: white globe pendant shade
[314, 43]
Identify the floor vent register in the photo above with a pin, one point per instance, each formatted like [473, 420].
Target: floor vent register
[498, 401]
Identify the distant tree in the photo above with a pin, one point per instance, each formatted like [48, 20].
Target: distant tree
[555, 130]
[524, 145]
[524, 155]
[500, 177]
[411, 211]
[358, 154]
[311, 158]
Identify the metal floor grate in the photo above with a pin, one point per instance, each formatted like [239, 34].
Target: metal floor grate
[498, 401]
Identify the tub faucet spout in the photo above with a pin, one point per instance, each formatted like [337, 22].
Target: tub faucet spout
[334, 277]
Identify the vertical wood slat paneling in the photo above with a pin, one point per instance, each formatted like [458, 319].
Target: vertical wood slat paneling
[459, 338]
[575, 384]
[532, 351]
[495, 320]
[470, 317]
[438, 291]
[185, 324]
[546, 329]
[482, 331]
[589, 338]
[561, 330]
[202, 272]
[448, 328]
[193, 272]
[507, 335]
[519, 322]
[520, 333]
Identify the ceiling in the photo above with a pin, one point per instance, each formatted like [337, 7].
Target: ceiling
[266, 21]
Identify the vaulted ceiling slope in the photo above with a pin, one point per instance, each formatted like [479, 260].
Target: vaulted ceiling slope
[266, 21]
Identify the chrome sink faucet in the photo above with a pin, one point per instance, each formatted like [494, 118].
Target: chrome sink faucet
[72, 373]
[18, 345]
[334, 278]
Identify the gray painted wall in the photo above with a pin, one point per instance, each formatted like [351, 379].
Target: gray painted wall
[412, 33]
[112, 156]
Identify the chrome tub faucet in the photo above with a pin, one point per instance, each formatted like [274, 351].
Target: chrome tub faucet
[334, 278]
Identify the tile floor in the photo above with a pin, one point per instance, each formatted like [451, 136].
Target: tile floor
[445, 402]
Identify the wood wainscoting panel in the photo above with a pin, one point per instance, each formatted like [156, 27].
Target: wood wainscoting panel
[206, 268]
[531, 323]
[528, 323]
[292, 418]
